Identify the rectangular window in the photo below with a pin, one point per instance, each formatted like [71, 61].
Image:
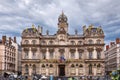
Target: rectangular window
[98, 55]
[34, 55]
[26, 55]
[72, 55]
[43, 55]
[90, 55]
[51, 55]
[80, 55]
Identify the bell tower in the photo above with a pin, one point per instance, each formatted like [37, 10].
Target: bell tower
[62, 22]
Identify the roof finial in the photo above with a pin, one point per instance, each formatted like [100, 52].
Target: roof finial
[33, 26]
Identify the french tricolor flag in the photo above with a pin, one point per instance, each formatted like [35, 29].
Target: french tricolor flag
[62, 59]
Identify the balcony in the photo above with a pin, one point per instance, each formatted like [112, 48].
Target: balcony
[94, 60]
[58, 60]
[30, 60]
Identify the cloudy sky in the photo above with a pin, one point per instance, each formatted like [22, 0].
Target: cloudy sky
[16, 15]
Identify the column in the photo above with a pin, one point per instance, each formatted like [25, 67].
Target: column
[47, 54]
[55, 53]
[76, 54]
[30, 54]
[94, 53]
[77, 70]
[47, 71]
[30, 70]
[57, 69]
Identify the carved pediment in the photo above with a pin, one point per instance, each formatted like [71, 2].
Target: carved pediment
[61, 50]
[72, 50]
[26, 49]
[51, 50]
[90, 48]
[99, 48]
[80, 50]
[34, 49]
[43, 50]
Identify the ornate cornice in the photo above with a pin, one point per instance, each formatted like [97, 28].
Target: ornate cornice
[43, 50]
[80, 50]
[26, 49]
[51, 50]
[72, 50]
[90, 49]
[99, 48]
[61, 50]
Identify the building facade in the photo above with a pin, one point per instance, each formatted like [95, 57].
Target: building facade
[8, 55]
[63, 54]
[112, 56]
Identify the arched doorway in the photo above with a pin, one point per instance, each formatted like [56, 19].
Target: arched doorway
[61, 70]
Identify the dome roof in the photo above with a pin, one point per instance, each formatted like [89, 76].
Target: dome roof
[62, 18]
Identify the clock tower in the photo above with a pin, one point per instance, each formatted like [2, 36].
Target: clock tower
[62, 23]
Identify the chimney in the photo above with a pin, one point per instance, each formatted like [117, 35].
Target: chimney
[10, 40]
[107, 47]
[112, 43]
[14, 39]
[47, 32]
[117, 40]
[76, 32]
[3, 39]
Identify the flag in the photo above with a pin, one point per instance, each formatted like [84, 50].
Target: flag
[62, 59]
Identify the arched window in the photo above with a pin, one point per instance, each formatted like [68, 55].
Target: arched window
[26, 55]
[43, 43]
[33, 41]
[43, 66]
[80, 43]
[34, 69]
[51, 65]
[90, 41]
[98, 66]
[90, 68]
[98, 55]
[98, 41]
[26, 69]
[90, 55]
[81, 66]
[26, 42]
[72, 42]
[72, 65]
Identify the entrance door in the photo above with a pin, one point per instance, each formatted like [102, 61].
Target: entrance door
[61, 70]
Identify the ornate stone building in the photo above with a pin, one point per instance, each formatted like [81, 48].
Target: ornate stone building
[63, 54]
[9, 51]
